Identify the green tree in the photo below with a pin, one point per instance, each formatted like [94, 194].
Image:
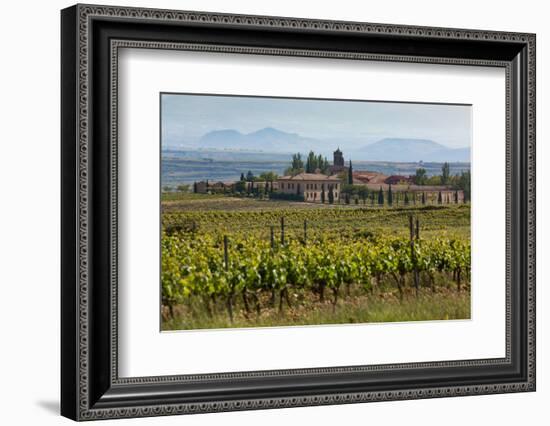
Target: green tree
[330, 195]
[390, 196]
[296, 165]
[434, 180]
[323, 194]
[250, 176]
[423, 198]
[406, 200]
[420, 177]
[182, 188]
[297, 162]
[445, 173]
[350, 174]
[439, 198]
[195, 187]
[326, 166]
[240, 186]
[311, 162]
[381, 197]
[363, 192]
[464, 184]
[347, 189]
[242, 177]
[268, 176]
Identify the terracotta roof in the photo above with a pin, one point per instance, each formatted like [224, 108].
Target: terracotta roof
[413, 188]
[311, 176]
[366, 176]
[393, 179]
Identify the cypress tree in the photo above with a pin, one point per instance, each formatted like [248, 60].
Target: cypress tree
[445, 173]
[423, 198]
[323, 195]
[456, 197]
[330, 195]
[195, 187]
[350, 174]
[381, 197]
[406, 201]
[439, 198]
[242, 176]
[390, 196]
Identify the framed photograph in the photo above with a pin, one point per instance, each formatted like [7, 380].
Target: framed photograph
[263, 212]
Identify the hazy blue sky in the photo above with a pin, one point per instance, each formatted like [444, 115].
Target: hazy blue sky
[185, 118]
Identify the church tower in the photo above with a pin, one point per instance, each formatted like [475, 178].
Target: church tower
[338, 158]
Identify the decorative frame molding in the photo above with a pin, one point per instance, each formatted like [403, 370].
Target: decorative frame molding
[91, 37]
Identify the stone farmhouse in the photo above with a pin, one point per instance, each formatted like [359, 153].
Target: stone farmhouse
[375, 181]
[311, 186]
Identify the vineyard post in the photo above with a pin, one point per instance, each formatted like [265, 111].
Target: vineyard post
[282, 230]
[412, 234]
[225, 253]
[416, 272]
[226, 261]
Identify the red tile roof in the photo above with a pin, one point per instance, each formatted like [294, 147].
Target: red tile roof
[310, 176]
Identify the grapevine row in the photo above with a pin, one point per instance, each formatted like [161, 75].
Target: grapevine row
[217, 270]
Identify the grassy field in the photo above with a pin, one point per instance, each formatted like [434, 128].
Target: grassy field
[206, 295]
[384, 306]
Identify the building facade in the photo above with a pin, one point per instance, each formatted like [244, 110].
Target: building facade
[314, 187]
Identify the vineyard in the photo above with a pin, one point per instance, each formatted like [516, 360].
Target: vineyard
[232, 267]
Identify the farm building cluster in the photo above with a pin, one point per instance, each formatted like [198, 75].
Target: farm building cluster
[319, 187]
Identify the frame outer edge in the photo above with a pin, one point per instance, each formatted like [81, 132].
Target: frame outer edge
[80, 207]
[69, 220]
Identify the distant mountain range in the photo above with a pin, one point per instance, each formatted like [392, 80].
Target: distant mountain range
[388, 149]
[266, 140]
[406, 150]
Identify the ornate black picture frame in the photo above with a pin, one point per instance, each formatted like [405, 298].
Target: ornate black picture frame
[91, 37]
